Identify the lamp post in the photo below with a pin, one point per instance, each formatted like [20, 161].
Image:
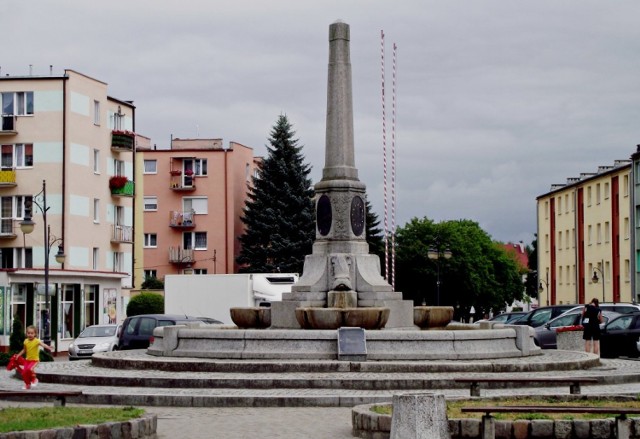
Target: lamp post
[546, 286]
[27, 226]
[594, 279]
[436, 254]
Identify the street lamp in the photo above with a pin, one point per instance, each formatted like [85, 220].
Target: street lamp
[27, 226]
[436, 254]
[546, 285]
[594, 279]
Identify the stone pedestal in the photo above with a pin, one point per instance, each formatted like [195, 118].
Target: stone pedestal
[419, 416]
[570, 341]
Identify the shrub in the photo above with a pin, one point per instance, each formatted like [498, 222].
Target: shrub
[16, 340]
[152, 283]
[145, 303]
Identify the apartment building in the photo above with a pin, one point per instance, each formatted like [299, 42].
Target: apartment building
[67, 165]
[194, 195]
[584, 245]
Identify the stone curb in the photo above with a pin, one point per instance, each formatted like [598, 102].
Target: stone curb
[144, 427]
[369, 425]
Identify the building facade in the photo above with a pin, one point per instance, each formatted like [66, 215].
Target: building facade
[67, 164]
[194, 195]
[584, 238]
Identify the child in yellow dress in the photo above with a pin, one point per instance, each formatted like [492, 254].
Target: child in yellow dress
[32, 348]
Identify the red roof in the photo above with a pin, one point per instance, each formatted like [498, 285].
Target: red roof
[519, 251]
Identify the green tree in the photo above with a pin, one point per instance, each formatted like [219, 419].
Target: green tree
[145, 303]
[279, 216]
[480, 272]
[531, 284]
[374, 235]
[152, 283]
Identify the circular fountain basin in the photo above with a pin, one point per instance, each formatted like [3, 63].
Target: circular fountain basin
[432, 317]
[251, 317]
[334, 318]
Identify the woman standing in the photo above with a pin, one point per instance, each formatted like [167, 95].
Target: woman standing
[591, 319]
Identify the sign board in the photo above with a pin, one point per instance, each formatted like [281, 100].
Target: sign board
[352, 344]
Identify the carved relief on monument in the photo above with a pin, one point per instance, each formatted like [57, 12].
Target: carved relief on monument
[341, 273]
[341, 205]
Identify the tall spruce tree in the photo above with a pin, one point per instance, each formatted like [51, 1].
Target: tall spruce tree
[279, 215]
[374, 235]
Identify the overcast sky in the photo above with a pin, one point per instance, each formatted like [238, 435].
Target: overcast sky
[496, 100]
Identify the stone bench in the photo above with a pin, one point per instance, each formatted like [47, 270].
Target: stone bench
[574, 382]
[488, 427]
[60, 396]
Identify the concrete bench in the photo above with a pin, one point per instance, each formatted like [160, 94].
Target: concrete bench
[574, 382]
[60, 396]
[488, 421]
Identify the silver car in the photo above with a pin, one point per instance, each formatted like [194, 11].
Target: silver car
[95, 338]
[545, 335]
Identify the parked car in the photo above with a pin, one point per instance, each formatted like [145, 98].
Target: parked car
[542, 315]
[545, 335]
[94, 338]
[137, 331]
[619, 307]
[508, 317]
[620, 336]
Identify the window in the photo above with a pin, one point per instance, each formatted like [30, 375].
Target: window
[194, 240]
[150, 203]
[118, 120]
[148, 274]
[560, 205]
[199, 271]
[96, 161]
[589, 196]
[197, 204]
[566, 203]
[606, 231]
[627, 270]
[96, 255]
[150, 167]
[560, 240]
[566, 237]
[598, 193]
[546, 210]
[599, 233]
[17, 103]
[590, 235]
[606, 191]
[560, 274]
[200, 167]
[66, 306]
[90, 310]
[118, 261]
[96, 210]
[151, 240]
[118, 168]
[625, 185]
[626, 228]
[19, 155]
[96, 112]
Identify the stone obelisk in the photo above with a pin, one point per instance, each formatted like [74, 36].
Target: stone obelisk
[340, 261]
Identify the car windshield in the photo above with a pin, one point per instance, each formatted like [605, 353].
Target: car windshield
[98, 331]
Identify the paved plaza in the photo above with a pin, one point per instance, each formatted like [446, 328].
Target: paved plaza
[309, 421]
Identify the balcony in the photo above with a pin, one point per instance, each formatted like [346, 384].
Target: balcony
[182, 220]
[121, 186]
[122, 234]
[178, 255]
[122, 140]
[8, 127]
[183, 183]
[8, 228]
[8, 177]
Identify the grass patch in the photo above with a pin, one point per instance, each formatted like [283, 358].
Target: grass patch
[42, 418]
[454, 406]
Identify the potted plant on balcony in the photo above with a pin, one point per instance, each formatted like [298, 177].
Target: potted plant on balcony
[175, 172]
[188, 172]
[117, 182]
[122, 139]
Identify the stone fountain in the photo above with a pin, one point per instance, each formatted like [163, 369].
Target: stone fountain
[341, 283]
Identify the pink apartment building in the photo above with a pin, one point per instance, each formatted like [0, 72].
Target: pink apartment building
[194, 194]
[63, 136]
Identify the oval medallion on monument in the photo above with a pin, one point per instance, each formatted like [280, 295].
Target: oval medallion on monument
[324, 215]
[357, 215]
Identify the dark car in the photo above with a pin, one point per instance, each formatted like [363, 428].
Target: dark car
[542, 315]
[546, 335]
[136, 331]
[508, 317]
[620, 336]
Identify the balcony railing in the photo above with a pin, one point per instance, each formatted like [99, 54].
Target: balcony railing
[123, 191]
[178, 255]
[122, 140]
[122, 234]
[183, 183]
[7, 228]
[8, 125]
[8, 177]
[184, 220]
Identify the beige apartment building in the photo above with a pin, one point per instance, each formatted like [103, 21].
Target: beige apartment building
[67, 170]
[584, 238]
[194, 195]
